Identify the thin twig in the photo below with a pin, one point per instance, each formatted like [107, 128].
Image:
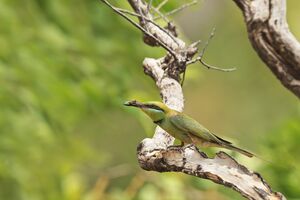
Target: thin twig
[212, 34]
[161, 4]
[138, 15]
[130, 13]
[161, 15]
[178, 9]
[149, 6]
[140, 27]
[148, 20]
[143, 20]
[216, 68]
[195, 44]
[200, 57]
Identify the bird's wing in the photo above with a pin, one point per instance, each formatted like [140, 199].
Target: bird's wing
[191, 126]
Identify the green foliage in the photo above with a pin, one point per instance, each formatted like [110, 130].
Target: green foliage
[67, 66]
[283, 149]
[62, 64]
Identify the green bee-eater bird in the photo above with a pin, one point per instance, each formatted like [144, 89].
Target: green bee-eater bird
[183, 127]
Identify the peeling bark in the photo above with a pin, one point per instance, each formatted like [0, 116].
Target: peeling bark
[155, 154]
[272, 40]
[222, 169]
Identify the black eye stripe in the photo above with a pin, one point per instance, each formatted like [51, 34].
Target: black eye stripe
[154, 107]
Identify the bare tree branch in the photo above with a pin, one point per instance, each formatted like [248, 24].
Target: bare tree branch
[200, 57]
[184, 6]
[222, 169]
[272, 40]
[120, 12]
[145, 19]
[155, 153]
[162, 4]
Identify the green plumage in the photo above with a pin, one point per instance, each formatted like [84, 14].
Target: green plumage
[183, 127]
[184, 124]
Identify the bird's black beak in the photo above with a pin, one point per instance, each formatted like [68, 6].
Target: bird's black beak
[134, 103]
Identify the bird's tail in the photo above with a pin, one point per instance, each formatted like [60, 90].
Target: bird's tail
[242, 151]
[250, 155]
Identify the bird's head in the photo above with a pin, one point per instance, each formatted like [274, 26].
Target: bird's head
[154, 109]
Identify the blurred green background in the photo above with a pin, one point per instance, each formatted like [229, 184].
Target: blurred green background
[67, 66]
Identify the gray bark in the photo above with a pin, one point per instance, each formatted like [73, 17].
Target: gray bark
[271, 38]
[155, 154]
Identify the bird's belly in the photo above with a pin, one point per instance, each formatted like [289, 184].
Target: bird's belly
[176, 133]
[186, 137]
[201, 143]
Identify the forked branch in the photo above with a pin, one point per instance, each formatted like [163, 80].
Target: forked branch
[200, 57]
[155, 153]
[176, 10]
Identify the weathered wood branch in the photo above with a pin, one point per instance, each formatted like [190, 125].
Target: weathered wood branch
[222, 169]
[155, 153]
[272, 40]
